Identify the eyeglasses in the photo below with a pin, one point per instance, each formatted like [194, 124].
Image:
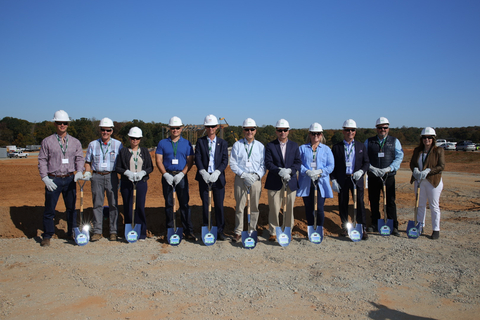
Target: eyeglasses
[382, 128]
[106, 130]
[249, 129]
[134, 138]
[210, 127]
[174, 128]
[316, 133]
[427, 137]
[349, 130]
[282, 130]
[59, 123]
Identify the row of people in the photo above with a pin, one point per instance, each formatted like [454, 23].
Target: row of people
[346, 163]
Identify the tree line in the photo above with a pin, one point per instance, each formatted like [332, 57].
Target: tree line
[21, 132]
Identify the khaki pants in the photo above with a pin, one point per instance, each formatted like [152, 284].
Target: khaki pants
[275, 198]
[240, 193]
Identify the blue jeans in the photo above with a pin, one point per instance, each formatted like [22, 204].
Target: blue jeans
[182, 198]
[68, 188]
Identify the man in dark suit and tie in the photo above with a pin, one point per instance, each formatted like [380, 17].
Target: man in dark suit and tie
[282, 159]
[351, 161]
[211, 158]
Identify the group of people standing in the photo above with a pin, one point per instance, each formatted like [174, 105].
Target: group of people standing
[296, 171]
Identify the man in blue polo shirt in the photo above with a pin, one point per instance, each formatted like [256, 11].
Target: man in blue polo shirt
[174, 158]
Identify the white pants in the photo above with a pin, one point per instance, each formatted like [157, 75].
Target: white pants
[428, 192]
[240, 194]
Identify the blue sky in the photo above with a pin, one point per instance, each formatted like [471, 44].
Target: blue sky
[415, 62]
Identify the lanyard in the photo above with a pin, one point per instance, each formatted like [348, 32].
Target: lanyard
[425, 158]
[61, 145]
[249, 153]
[348, 153]
[175, 146]
[382, 142]
[314, 151]
[101, 148]
[135, 160]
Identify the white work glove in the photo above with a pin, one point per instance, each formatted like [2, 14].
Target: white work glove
[168, 177]
[424, 173]
[377, 172]
[416, 173]
[335, 185]
[129, 174]
[49, 183]
[140, 175]
[314, 174]
[205, 175]
[214, 176]
[357, 175]
[248, 179]
[178, 177]
[78, 176]
[87, 176]
[318, 172]
[386, 170]
[284, 173]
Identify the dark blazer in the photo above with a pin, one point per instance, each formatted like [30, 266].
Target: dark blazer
[220, 157]
[123, 162]
[361, 162]
[274, 161]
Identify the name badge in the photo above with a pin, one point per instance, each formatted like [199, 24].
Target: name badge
[348, 164]
[381, 154]
[174, 161]
[313, 165]
[104, 164]
[64, 161]
[249, 164]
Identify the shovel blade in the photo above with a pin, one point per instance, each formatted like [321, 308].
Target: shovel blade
[209, 237]
[174, 237]
[385, 229]
[132, 233]
[315, 235]
[249, 239]
[356, 233]
[413, 231]
[81, 238]
[283, 237]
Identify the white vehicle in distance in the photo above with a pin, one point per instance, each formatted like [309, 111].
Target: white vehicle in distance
[466, 146]
[18, 154]
[449, 146]
[441, 142]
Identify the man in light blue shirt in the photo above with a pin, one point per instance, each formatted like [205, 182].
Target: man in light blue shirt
[247, 161]
[101, 158]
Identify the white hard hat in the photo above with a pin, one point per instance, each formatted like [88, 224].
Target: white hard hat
[429, 131]
[382, 120]
[175, 122]
[350, 123]
[249, 122]
[282, 123]
[210, 120]
[135, 132]
[106, 122]
[315, 127]
[61, 115]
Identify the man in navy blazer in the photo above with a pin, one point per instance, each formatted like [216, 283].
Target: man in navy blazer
[211, 158]
[282, 159]
[351, 161]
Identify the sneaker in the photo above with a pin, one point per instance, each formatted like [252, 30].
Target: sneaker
[113, 237]
[96, 237]
[45, 242]
[395, 232]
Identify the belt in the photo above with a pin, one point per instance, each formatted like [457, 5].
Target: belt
[173, 173]
[103, 173]
[60, 175]
[349, 175]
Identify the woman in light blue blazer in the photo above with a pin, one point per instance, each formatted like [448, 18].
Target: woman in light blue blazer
[317, 164]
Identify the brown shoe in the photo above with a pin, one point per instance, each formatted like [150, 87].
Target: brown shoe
[272, 238]
[113, 237]
[45, 242]
[96, 237]
[236, 237]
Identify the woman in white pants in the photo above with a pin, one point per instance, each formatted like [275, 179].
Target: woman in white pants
[427, 164]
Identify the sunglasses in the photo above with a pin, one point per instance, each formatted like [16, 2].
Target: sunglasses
[210, 127]
[427, 137]
[249, 129]
[106, 130]
[59, 123]
[133, 138]
[382, 128]
[315, 133]
[282, 130]
[349, 130]
[174, 128]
